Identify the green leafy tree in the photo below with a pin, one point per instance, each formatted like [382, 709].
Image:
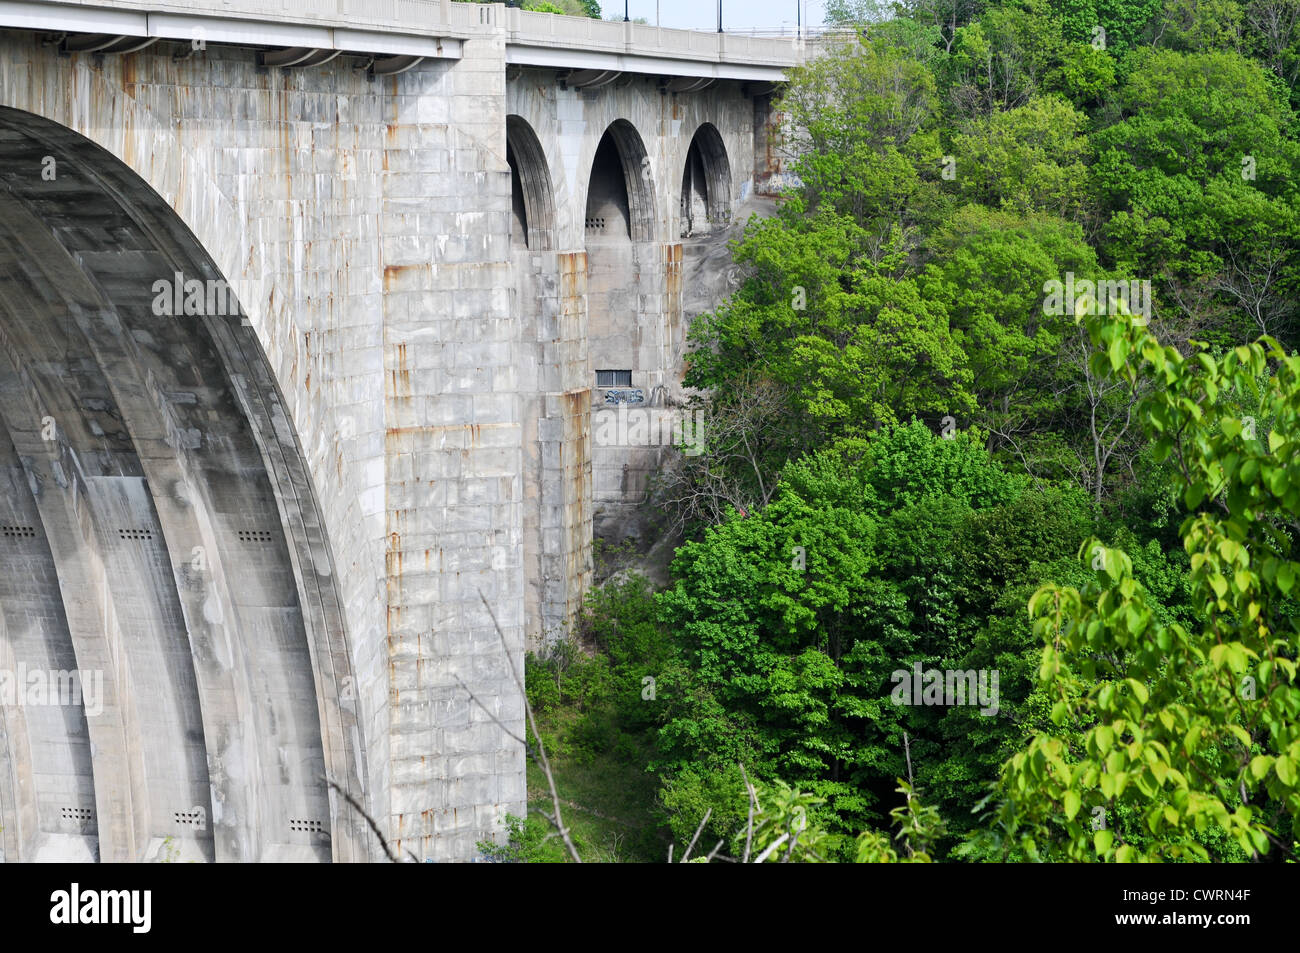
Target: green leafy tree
[1193, 729]
[1200, 26]
[791, 621]
[1197, 180]
[1027, 159]
[1272, 33]
[1000, 60]
[1126, 22]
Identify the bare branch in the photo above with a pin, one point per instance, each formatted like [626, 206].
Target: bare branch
[772, 847]
[749, 825]
[699, 830]
[369, 820]
[540, 759]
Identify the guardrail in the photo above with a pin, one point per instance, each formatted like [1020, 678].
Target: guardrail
[404, 16]
[423, 18]
[526, 28]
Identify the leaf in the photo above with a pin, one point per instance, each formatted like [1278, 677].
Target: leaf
[1072, 804]
[1102, 841]
[1104, 737]
[1138, 689]
[1286, 577]
[1286, 771]
[1116, 353]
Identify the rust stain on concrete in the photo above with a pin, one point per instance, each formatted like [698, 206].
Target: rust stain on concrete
[401, 373]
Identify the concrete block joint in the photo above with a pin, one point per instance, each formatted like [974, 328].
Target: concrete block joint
[299, 355]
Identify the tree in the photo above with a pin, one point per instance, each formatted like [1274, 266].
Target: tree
[791, 623]
[1002, 59]
[1274, 35]
[1187, 729]
[1027, 159]
[1197, 183]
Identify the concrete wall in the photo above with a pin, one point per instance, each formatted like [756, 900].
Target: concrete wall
[633, 316]
[430, 383]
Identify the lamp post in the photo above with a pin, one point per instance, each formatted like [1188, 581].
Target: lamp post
[625, 16]
[719, 16]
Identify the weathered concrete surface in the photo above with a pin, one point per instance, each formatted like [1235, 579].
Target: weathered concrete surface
[623, 201]
[388, 469]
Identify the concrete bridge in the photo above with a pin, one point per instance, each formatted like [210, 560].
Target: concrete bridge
[305, 308]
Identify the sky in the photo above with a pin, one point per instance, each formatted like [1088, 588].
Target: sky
[703, 14]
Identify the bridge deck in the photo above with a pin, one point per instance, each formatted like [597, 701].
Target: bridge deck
[419, 28]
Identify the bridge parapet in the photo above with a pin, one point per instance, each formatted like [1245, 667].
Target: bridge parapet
[420, 27]
[529, 29]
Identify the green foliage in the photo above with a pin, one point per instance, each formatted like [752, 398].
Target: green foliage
[782, 830]
[1190, 730]
[1197, 180]
[1027, 159]
[988, 272]
[1126, 22]
[1200, 26]
[791, 621]
[1015, 50]
[597, 702]
[855, 12]
[919, 827]
[527, 842]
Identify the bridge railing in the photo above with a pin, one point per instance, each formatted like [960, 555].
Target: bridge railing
[545, 29]
[406, 16]
[442, 18]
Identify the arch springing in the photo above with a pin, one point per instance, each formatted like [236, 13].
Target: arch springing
[532, 197]
[706, 184]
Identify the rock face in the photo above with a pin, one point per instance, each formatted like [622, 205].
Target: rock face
[308, 536]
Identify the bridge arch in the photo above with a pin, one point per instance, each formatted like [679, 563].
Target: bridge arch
[706, 184]
[532, 194]
[621, 188]
[161, 493]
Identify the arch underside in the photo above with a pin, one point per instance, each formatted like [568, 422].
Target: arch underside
[158, 537]
[532, 196]
[621, 187]
[706, 184]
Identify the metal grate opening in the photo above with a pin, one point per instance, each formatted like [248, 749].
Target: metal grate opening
[306, 826]
[255, 536]
[135, 533]
[77, 815]
[188, 818]
[613, 378]
[595, 224]
[19, 532]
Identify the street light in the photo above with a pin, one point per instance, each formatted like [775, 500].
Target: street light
[625, 16]
[719, 16]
